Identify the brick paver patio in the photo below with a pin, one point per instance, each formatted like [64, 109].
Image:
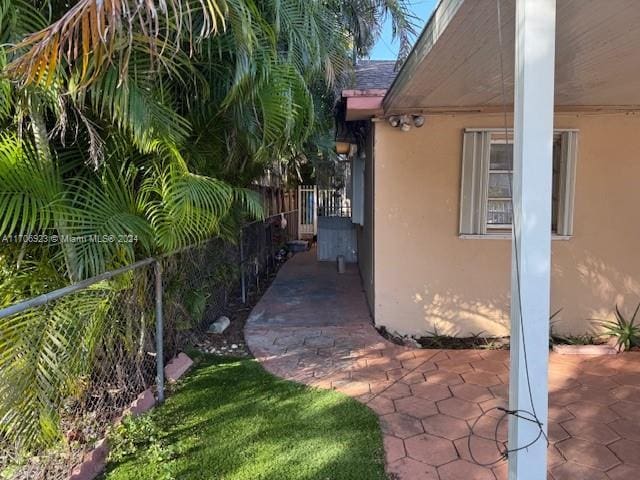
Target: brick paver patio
[313, 326]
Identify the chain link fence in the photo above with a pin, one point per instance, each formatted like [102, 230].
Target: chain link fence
[259, 244]
[79, 356]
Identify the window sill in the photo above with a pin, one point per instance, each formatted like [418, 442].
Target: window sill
[507, 236]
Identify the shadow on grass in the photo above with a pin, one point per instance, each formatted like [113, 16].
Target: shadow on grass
[231, 420]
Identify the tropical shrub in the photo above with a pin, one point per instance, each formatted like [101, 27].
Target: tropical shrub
[143, 124]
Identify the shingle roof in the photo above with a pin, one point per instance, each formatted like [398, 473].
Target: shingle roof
[374, 74]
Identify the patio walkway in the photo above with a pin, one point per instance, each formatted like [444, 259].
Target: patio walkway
[313, 326]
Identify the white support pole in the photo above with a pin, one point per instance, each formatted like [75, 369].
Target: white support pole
[531, 259]
[316, 198]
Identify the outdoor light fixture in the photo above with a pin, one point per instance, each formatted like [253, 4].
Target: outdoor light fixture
[405, 122]
[418, 121]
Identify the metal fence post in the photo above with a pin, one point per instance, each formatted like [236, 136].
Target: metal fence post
[243, 285]
[159, 333]
[267, 247]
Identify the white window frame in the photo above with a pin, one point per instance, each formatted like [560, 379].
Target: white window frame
[496, 227]
[475, 183]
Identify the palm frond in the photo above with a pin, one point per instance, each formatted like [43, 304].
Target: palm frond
[249, 202]
[29, 188]
[19, 18]
[403, 24]
[94, 32]
[6, 99]
[107, 219]
[139, 111]
[286, 111]
[183, 207]
[27, 270]
[41, 351]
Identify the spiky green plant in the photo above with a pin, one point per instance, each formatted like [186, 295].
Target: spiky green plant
[553, 336]
[436, 338]
[625, 331]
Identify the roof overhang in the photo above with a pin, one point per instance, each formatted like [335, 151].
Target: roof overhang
[363, 104]
[455, 64]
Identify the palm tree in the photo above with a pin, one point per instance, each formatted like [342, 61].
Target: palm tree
[148, 119]
[364, 19]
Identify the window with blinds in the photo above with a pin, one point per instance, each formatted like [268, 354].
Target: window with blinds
[499, 213]
[487, 171]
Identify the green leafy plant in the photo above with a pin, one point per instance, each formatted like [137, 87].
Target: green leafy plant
[196, 304]
[130, 434]
[46, 351]
[225, 274]
[493, 344]
[436, 339]
[475, 336]
[142, 433]
[584, 339]
[554, 338]
[625, 331]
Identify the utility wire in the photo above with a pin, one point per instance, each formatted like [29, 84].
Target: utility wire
[532, 415]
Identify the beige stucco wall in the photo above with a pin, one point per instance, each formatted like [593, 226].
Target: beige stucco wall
[426, 275]
[365, 232]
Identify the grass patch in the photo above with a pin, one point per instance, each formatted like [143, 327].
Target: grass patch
[231, 420]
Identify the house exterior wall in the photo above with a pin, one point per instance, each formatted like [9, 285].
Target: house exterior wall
[365, 232]
[427, 277]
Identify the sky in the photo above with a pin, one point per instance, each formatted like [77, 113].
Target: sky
[385, 48]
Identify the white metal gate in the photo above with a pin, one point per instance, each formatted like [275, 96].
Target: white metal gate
[332, 203]
[307, 211]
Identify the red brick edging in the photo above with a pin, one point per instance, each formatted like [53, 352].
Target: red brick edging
[95, 460]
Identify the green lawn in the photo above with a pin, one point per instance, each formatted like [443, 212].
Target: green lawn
[231, 420]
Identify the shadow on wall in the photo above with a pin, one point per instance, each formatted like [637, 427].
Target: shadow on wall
[607, 285]
[585, 292]
[455, 314]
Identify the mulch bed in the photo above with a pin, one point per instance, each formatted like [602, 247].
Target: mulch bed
[231, 342]
[446, 342]
[460, 343]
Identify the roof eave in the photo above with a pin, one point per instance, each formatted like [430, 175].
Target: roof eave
[363, 107]
[370, 92]
[438, 22]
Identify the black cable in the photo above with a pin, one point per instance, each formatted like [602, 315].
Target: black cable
[531, 416]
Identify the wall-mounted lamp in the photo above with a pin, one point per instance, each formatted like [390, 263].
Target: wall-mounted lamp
[405, 122]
